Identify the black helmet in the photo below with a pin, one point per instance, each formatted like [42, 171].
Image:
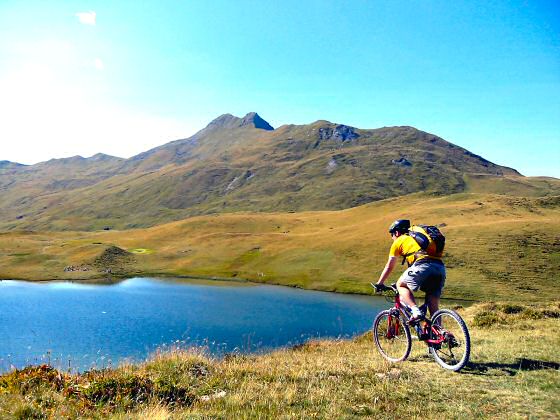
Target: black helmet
[400, 225]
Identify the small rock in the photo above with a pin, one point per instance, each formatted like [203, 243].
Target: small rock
[217, 395]
[402, 162]
[394, 373]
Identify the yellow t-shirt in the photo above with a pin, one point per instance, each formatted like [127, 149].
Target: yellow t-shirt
[404, 245]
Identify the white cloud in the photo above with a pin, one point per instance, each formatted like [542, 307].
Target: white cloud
[87, 18]
[98, 63]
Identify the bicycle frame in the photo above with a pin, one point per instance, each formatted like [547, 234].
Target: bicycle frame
[428, 327]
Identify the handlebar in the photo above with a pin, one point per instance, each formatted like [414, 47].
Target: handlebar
[379, 288]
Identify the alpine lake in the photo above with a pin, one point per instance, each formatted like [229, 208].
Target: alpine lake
[79, 326]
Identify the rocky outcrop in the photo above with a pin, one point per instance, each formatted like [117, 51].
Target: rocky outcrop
[240, 180]
[339, 133]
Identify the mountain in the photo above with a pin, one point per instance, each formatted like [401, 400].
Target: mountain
[243, 164]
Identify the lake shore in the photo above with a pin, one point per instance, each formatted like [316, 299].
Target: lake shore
[324, 379]
[224, 280]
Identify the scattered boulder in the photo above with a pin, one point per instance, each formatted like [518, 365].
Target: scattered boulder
[71, 268]
[402, 162]
[331, 165]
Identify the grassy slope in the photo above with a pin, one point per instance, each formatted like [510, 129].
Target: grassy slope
[498, 247]
[513, 374]
[513, 185]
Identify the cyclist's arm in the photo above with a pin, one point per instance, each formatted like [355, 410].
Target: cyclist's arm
[391, 262]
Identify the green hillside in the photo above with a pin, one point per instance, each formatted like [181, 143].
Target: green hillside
[241, 164]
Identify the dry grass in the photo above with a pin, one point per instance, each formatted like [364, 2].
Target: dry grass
[498, 247]
[513, 374]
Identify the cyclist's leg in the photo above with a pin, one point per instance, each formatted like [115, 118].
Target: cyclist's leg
[410, 281]
[405, 293]
[433, 303]
[434, 286]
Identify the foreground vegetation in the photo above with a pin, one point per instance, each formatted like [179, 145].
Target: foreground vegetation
[498, 247]
[513, 374]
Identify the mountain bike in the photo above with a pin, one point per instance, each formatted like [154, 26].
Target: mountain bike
[445, 334]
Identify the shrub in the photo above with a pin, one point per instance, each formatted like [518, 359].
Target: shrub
[531, 313]
[32, 378]
[511, 309]
[171, 394]
[28, 412]
[118, 390]
[487, 319]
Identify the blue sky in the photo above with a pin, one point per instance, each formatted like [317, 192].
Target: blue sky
[81, 77]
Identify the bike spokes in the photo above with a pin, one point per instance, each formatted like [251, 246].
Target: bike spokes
[453, 348]
[391, 336]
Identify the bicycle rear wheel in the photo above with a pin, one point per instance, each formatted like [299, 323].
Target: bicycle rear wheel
[454, 352]
[392, 336]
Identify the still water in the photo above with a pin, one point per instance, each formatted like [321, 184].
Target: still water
[83, 325]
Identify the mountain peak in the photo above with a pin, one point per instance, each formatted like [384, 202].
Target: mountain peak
[7, 163]
[256, 120]
[231, 121]
[225, 120]
[101, 157]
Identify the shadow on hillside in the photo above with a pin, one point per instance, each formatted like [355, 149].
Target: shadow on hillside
[511, 369]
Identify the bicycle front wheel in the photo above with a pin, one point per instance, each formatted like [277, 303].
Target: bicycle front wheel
[392, 336]
[454, 351]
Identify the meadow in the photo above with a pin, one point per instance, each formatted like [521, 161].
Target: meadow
[498, 247]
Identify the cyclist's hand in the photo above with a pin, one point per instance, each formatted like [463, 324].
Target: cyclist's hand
[379, 287]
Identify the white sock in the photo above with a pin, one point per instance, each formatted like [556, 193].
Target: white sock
[416, 311]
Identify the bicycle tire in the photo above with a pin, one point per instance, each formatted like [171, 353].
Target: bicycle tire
[393, 345]
[451, 322]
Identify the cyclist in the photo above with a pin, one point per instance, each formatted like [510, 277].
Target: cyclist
[424, 272]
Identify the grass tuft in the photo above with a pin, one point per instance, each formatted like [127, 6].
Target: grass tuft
[503, 314]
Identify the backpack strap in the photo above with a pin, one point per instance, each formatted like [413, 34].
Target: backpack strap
[416, 255]
[405, 256]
